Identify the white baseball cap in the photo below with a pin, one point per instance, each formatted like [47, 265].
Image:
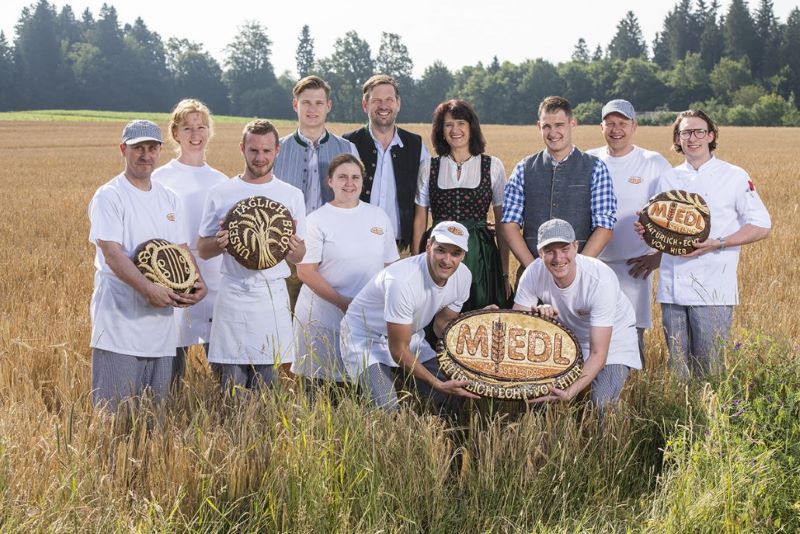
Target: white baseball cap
[452, 233]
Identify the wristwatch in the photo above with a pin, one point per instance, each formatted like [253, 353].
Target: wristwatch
[721, 243]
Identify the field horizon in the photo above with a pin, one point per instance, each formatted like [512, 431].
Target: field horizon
[716, 455]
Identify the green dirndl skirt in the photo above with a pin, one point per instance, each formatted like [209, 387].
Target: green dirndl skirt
[483, 261]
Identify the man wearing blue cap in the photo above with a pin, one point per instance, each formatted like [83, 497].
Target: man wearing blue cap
[133, 331]
[636, 173]
[383, 329]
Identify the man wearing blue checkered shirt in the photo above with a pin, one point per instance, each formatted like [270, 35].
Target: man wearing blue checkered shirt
[559, 182]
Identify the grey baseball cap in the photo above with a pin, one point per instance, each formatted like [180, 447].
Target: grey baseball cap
[623, 107]
[140, 131]
[555, 231]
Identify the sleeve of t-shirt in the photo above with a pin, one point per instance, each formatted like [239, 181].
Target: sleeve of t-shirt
[604, 301]
[390, 254]
[399, 305]
[749, 206]
[422, 184]
[527, 294]
[315, 239]
[105, 218]
[463, 278]
[498, 173]
[209, 222]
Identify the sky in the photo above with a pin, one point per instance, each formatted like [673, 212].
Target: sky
[457, 33]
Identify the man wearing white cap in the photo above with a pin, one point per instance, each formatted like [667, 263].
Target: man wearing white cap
[584, 295]
[133, 331]
[383, 329]
[636, 173]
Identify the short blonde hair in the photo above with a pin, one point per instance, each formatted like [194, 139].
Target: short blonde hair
[182, 110]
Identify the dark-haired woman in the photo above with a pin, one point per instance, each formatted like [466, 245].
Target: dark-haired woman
[462, 184]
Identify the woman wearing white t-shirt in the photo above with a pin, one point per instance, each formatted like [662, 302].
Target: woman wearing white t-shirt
[348, 242]
[190, 177]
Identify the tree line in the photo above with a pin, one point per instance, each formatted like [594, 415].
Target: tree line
[742, 66]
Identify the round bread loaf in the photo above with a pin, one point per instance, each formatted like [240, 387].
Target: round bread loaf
[259, 230]
[674, 220]
[166, 264]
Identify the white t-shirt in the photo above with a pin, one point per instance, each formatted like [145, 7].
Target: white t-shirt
[710, 279]
[636, 176]
[470, 178]
[402, 293]
[221, 199]
[350, 245]
[122, 319]
[593, 299]
[191, 185]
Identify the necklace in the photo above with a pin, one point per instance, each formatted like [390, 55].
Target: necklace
[459, 164]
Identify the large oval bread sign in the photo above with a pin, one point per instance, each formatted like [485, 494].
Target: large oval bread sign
[259, 229]
[674, 220]
[166, 264]
[509, 354]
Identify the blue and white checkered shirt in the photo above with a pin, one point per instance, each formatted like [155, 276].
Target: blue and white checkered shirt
[604, 201]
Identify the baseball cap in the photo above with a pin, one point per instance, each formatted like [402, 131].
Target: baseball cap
[140, 131]
[623, 107]
[555, 231]
[452, 233]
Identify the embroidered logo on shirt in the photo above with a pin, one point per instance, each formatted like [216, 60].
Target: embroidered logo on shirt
[377, 230]
[751, 185]
[635, 179]
[171, 217]
[455, 230]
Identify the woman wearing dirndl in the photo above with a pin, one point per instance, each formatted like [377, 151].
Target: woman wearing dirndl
[461, 184]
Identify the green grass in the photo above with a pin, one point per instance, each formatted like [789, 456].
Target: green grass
[83, 115]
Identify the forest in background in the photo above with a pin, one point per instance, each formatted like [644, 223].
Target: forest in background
[742, 66]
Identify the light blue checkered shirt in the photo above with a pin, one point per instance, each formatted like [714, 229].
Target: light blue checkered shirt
[604, 201]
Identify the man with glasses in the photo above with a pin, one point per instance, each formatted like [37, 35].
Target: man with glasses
[559, 182]
[698, 291]
[636, 173]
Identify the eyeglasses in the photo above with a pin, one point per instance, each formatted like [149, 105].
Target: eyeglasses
[699, 133]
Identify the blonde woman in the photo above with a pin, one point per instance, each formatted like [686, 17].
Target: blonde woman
[190, 177]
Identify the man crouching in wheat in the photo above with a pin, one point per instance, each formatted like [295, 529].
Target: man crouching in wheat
[251, 329]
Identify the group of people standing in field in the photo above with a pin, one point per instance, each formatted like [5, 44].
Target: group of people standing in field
[344, 308]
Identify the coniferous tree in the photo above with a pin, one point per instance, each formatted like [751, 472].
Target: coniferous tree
[7, 85]
[38, 58]
[249, 73]
[304, 57]
[766, 62]
[581, 51]
[712, 40]
[789, 47]
[346, 70]
[628, 42]
[739, 32]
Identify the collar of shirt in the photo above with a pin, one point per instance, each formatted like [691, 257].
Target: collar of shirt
[395, 140]
[553, 160]
[707, 166]
[306, 142]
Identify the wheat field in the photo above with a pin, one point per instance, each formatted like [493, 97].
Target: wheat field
[676, 457]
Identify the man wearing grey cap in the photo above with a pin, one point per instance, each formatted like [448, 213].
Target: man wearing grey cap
[636, 173]
[584, 295]
[133, 331]
[383, 329]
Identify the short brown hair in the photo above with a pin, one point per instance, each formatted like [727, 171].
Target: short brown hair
[260, 127]
[341, 159]
[379, 79]
[712, 127]
[552, 104]
[311, 82]
[182, 110]
[461, 110]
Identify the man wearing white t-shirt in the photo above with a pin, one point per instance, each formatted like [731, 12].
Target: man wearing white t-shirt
[383, 328]
[133, 331]
[251, 334]
[584, 294]
[698, 291]
[636, 173]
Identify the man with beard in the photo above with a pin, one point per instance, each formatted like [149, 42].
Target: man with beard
[251, 330]
[383, 329]
[391, 155]
[558, 182]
